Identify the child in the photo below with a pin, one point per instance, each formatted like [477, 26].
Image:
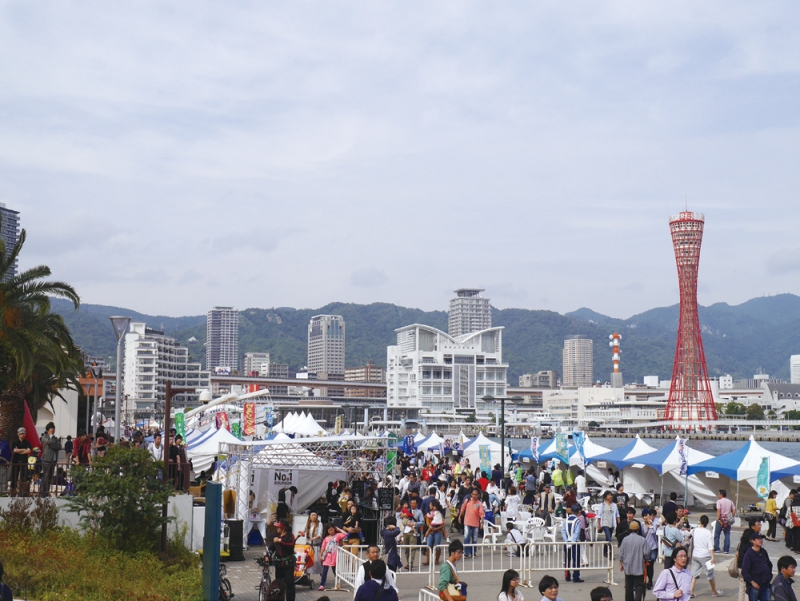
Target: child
[329, 545]
[389, 534]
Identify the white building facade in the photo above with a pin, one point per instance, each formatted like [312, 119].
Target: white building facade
[432, 370]
[256, 363]
[151, 358]
[794, 369]
[326, 344]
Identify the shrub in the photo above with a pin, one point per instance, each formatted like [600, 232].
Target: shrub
[121, 497]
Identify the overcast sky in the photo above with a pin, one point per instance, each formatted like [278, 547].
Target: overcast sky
[172, 157]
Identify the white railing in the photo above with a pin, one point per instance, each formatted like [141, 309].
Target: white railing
[415, 555]
[583, 556]
[347, 566]
[485, 558]
[426, 595]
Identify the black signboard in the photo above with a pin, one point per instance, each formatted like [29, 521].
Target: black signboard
[386, 498]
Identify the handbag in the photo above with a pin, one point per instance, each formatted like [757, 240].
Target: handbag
[733, 568]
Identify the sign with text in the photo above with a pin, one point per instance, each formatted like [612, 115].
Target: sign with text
[249, 419]
[712, 475]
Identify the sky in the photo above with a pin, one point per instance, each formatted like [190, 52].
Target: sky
[170, 157]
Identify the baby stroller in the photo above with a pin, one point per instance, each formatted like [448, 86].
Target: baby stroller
[304, 555]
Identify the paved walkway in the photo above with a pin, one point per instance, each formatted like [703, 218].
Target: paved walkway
[245, 576]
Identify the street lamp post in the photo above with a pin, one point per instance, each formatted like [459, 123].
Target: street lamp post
[97, 372]
[489, 398]
[120, 325]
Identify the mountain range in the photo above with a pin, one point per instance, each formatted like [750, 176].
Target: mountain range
[740, 340]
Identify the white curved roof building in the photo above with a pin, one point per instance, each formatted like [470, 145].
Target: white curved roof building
[433, 370]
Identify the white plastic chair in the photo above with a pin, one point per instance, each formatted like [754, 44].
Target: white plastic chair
[524, 515]
[492, 534]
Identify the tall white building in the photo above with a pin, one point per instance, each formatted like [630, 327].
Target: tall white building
[578, 362]
[222, 338]
[9, 233]
[433, 370]
[469, 312]
[794, 369]
[326, 337]
[151, 358]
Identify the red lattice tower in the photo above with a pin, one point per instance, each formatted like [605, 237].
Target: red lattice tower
[690, 397]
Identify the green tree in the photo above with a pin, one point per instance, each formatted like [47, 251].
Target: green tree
[734, 408]
[471, 419]
[594, 425]
[37, 354]
[121, 498]
[755, 411]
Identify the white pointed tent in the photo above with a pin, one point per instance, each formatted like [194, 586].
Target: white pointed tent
[204, 448]
[621, 458]
[472, 452]
[590, 449]
[431, 443]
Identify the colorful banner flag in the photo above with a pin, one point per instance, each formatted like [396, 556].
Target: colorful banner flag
[486, 459]
[223, 421]
[236, 430]
[562, 447]
[409, 446]
[249, 419]
[180, 424]
[269, 417]
[579, 438]
[683, 453]
[535, 448]
[762, 480]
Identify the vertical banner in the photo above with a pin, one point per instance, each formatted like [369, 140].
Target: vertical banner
[762, 480]
[236, 430]
[249, 419]
[180, 424]
[683, 453]
[486, 459]
[562, 447]
[222, 421]
[409, 446]
[579, 438]
[535, 448]
[269, 417]
[441, 449]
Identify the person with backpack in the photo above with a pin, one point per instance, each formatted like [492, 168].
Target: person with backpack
[771, 511]
[377, 588]
[757, 570]
[726, 511]
[329, 546]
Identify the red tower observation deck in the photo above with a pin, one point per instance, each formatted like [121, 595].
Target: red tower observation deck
[690, 397]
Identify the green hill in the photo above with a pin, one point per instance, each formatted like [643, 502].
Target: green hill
[740, 339]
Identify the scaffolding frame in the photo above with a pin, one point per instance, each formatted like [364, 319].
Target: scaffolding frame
[340, 452]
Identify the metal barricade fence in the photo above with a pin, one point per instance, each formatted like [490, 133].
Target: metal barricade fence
[414, 556]
[560, 556]
[426, 595]
[485, 558]
[347, 566]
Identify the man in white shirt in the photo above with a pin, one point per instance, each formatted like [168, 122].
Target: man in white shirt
[580, 485]
[156, 449]
[514, 540]
[373, 554]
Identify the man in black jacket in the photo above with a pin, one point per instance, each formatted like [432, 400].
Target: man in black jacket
[782, 585]
[757, 569]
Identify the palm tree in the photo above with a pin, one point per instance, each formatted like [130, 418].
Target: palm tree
[37, 354]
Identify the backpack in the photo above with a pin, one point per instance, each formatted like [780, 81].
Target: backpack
[276, 591]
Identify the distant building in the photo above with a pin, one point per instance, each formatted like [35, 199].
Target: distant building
[222, 338]
[253, 362]
[89, 361]
[578, 362]
[542, 379]
[726, 382]
[651, 381]
[326, 344]
[794, 369]
[469, 312]
[276, 370]
[151, 358]
[433, 370]
[781, 397]
[366, 373]
[9, 233]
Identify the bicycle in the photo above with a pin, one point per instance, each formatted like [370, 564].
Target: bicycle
[225, 590]
[266, 576]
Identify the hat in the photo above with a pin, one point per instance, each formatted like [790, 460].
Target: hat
[633, 526]
[756, 535]
[282, 524]
[576, 508]
[21, 431]
[645, 512]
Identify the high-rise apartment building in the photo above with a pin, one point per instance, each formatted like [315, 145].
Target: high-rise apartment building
[542, 379]
[222, 338]
[326, 346]
[469, 312]
[152, 358]
[365, 373]
[794, 369]
[578, 362]
[9, 232]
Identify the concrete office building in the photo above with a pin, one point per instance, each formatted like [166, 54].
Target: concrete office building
[9, 233]
[253, 362]
[542, 379]
[151, 358]
[469, 312]
[578, 362]
[370, 372]
[794, 369]
[222, 338]
[442, 373]
[326, 338]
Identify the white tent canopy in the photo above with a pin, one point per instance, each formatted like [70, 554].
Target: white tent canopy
[430, 443]
[472, 452]
[204, 448]
[590, 449]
